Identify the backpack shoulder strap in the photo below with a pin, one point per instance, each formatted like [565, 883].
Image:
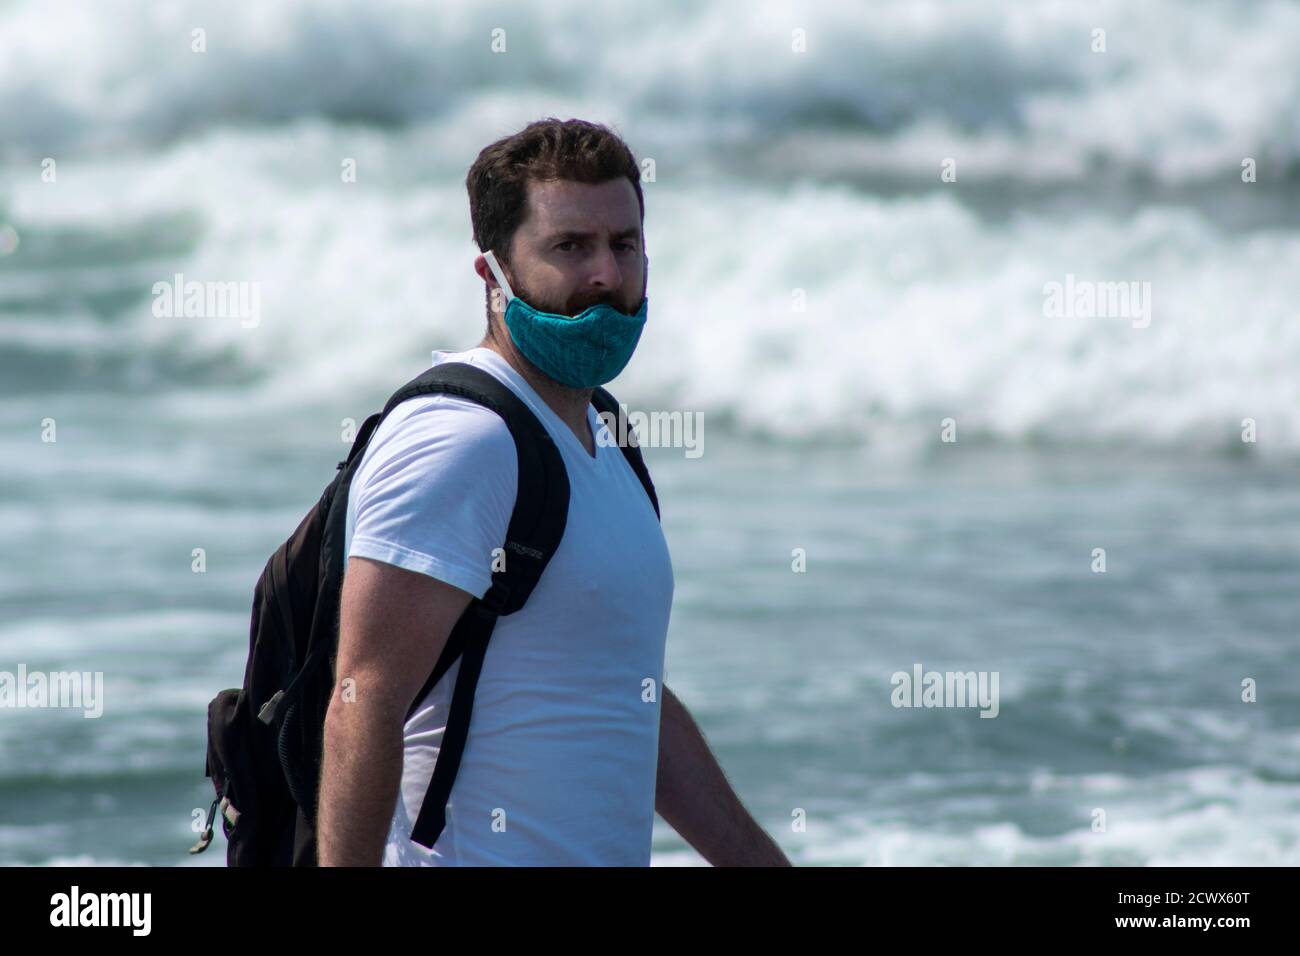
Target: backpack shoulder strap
[542, 500]
[607, 406]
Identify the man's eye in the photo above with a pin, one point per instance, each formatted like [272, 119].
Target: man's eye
[566, 242]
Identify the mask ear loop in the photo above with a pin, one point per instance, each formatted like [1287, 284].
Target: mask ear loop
[491, 260]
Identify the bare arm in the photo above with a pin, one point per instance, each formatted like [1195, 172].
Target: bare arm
[694, 797]
[393, 625]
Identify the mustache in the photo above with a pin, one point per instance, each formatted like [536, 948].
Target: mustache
[576, 305]
[611, 300]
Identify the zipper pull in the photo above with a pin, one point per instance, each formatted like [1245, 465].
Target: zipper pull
[205, 837]
[267, 712]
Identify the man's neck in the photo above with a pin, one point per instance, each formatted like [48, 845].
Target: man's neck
[570, 404]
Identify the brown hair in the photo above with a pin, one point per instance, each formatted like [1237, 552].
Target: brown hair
[546, 149]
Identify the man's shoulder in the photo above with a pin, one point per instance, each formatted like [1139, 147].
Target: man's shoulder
[445, 421]
[433, 438]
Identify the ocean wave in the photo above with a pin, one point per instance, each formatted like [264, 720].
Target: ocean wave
[811, 312]
[1204, 816]
[1182, 91]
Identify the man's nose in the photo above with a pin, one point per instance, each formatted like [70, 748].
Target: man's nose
[604, 270]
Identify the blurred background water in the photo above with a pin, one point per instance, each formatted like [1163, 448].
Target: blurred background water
[773, 172]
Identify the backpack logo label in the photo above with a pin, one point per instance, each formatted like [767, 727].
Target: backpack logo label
[518, 548]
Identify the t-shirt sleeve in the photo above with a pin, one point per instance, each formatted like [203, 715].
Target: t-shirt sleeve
[436, 490]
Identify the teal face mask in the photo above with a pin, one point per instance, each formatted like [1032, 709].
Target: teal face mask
[580, 351]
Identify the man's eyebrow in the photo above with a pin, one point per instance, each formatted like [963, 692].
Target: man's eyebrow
[632, 232]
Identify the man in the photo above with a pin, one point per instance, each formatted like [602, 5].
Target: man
[568, 757]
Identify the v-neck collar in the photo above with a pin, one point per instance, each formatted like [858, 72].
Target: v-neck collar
[485, 356]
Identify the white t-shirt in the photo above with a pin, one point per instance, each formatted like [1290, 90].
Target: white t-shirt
[560, 762]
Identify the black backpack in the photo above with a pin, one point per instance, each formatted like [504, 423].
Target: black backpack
[265, 738]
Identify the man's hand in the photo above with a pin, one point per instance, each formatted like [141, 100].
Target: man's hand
[694, 797]
[393, 625]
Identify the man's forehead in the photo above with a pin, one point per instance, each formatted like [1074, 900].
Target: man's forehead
[569, 206]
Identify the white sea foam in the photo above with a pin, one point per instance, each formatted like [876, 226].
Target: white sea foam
[916, 309]
[1206, 816]
[1180, 91]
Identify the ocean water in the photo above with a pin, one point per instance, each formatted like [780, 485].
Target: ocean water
[819, 296]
